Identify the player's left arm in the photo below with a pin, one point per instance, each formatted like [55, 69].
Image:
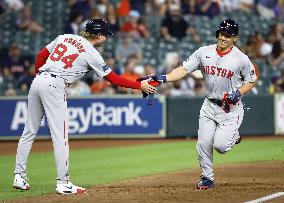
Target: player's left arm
[235, 96]
[249, 75]
[247, 87]
[250, 78]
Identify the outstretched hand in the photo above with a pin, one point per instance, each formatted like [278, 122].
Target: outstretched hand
[147, 88]
[149, 83]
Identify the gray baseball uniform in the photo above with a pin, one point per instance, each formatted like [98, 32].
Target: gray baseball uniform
[222, 74]
[71, 58]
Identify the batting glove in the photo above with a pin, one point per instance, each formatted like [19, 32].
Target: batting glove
[159, 78]
[144, 78]
[234, 97]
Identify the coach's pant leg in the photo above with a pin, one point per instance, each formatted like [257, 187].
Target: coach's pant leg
[204, 145]
[34, 116]
[227, 132]
[55, 106]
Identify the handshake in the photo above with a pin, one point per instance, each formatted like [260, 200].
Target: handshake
[148, 84]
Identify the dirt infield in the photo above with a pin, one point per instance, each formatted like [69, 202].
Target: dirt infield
[235, 183]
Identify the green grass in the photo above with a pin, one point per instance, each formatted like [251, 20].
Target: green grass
[101, 166]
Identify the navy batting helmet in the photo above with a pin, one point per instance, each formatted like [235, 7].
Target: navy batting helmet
[98, 26]
[228, 26]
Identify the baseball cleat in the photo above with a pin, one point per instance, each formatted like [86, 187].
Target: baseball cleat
[205, 184]
[69, 188]
[20, 182]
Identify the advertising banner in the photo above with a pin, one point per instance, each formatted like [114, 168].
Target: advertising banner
[117, 116]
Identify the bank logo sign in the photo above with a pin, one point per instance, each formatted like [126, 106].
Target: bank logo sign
[101, 117]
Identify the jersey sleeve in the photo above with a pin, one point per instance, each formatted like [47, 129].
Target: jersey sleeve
[192, 63]
[98, 64]
[248, 71]
[51, 45]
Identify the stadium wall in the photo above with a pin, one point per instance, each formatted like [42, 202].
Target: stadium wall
[128, 116]
[183, 114]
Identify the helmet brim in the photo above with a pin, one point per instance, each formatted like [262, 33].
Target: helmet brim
[227, 31]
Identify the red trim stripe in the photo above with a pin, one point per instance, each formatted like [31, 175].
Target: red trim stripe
[223, 53]
[64, 120]
[64, 133]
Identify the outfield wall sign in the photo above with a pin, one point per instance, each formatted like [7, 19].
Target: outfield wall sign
[93, 117]
[279, 113]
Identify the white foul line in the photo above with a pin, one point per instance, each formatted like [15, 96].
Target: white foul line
[278, 194]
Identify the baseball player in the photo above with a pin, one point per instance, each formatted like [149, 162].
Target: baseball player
[62, 62]
[228, 75]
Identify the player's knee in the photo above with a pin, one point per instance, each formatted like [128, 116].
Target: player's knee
[220, 148]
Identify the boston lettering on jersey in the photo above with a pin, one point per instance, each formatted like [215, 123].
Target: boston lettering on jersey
[222, 72]
[78, 45]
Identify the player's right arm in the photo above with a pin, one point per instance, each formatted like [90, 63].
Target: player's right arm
[103, 71]
[176, 74]
[188, 66]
